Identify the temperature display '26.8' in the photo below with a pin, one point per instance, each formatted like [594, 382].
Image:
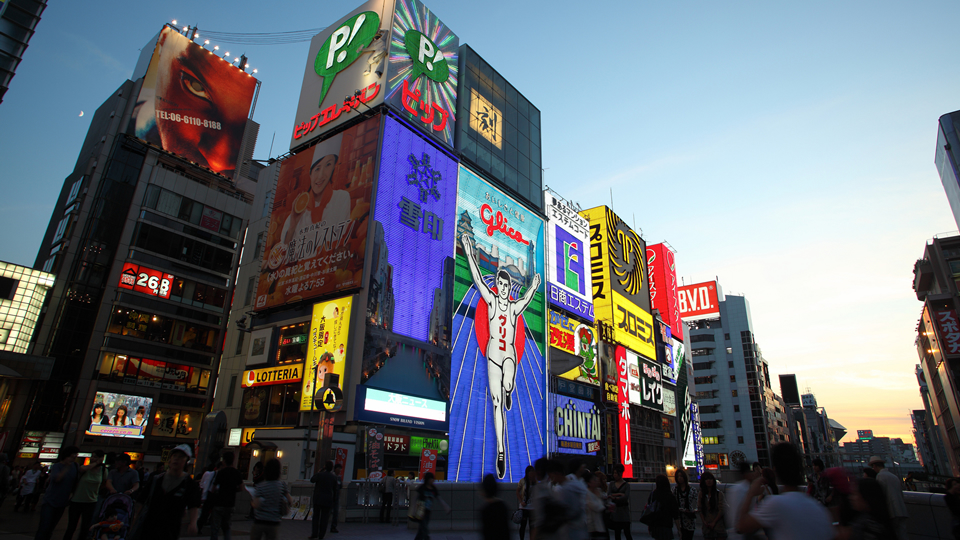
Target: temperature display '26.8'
[145, 280]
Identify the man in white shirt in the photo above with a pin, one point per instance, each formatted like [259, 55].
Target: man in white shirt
[792, 515]
[734, 496]
[894, 492]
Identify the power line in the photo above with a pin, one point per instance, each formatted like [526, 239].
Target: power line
[261, 38]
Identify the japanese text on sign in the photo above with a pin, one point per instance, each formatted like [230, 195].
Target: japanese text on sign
[949, 326]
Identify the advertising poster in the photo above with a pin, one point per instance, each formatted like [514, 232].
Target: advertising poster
[318, 227]
[498, 370]
[669, 402]
[428, 462]
[573, 354]
[119, 415]
[253, 406]
[623, 399]
[569, 283]
[652, 385]
[327, 349]
[346, 59]
[576, 426]
[633, 376]
[146, 280]
[699, 301]
[662, 268]
[423, 70]
[621, 294]
[375, 449]
[193, 103]
[665, 353]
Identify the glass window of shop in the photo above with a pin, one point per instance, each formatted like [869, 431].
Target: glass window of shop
[150, 373]
[162, 329]
[292, 344]
[275, 405]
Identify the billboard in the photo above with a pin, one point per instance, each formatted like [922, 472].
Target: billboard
[618, 272]
[949, 326]
[423, 68]
[119, 415]
[665, 352]
[669, 402]
[380, 407]
[498, 368]
[652, 385]
[573, 354]
[327, 348]
[623, 404]
[633, 376]
[273, 375]
[318, 228]
[568, 279]
[576, 426]
[345, 71]
[662, 269]
[193, 103]
[699, 301]
[146, 280]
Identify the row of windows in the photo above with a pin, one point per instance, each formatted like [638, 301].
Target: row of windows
[191, 211]
[163, 329]
[149, 373]
[184, 249]
[276, 405]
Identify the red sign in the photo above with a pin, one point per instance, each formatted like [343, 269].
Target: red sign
[145, 280]
[498, 222]
[341, 460]
[949, 326]
[699, 301]
[428, 461]
[396, 444]
[662, 270]
[623, 399]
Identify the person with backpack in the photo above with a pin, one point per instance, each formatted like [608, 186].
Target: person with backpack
[661, 510]
[271, 501]
[224, 486]
[85, 494]
[56, 499]
[619, 493]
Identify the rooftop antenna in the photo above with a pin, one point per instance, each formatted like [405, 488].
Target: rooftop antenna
[611, 198]
[271, 143]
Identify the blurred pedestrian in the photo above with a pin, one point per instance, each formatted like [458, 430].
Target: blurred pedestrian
[619, 493]
[910, 482]
[686, 496]
[770, 484]
[324, 488]
[57, 497]
[575, 493]
[388, 487]
[952, 500]
[85, 493]
[29, 489]
[222, 497]
[873, 521]
[667, 511]
[6, 476]
[596, 506]
[169, 495]
[271, 501]
[494, 516]
[205, 502]
[894, 491]
[735, 495]
[868, 472]
[524, 495]
[710, 504]
[817, 487]
[335, 513]
[430, 496]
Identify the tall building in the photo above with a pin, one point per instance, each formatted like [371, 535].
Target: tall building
[927, 433]
[899, 457]
[946, 159]
[938, 339]
[816, 434]
[144, 239]
[18, 22]
[740, 416]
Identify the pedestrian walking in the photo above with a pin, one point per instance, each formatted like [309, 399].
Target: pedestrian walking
[387, 488]
[710, 504]
[894, 491]
[29, 489]
[873, 521]
[524, 494]
[664, 510]
[205, 480]
[686, 496]
[792, 515]
[123, 479]
[596, 506]
[335, 513]
[224, 485]
[271, 501]
[85, 494]
[169, 495]
[575, 492]
[494, 516]
[619, 493]
[734, 495]
[57, 498]
[324, 488]
[428, 496]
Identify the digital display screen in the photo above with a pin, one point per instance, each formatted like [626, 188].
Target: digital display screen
[576, 426]
[119, 415]
[384, 407]
[194, 104]
[146, 280]
[500, 320]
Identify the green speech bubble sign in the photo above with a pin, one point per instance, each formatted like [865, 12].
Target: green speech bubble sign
[427, 58]
[344, 46]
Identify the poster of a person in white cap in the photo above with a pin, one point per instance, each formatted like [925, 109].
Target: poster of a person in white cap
[165, 499]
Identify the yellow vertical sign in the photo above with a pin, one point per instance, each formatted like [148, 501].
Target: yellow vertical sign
[326, 347]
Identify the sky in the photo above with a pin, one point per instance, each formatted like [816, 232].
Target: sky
[785, 149]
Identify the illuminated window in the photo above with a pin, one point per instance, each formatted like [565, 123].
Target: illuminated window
[293, 344]
[733, 393]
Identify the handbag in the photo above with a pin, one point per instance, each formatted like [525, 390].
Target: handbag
[417, 512]
[649, 512]
[517, 516]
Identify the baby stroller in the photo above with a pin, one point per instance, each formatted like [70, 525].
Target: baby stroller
[120, 504]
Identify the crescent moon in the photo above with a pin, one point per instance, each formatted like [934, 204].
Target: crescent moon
[81, 113]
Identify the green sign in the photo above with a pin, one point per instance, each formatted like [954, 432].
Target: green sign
[417, 444]
[427, 58]
[344, 46]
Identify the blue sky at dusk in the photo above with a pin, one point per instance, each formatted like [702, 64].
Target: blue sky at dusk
[786, 149]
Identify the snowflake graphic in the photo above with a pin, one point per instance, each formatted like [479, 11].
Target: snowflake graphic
[424, 177]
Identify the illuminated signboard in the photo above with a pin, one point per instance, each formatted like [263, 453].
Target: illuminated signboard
[382, 407]
[419, 443]
[423, 67]
[699, 301]
[193, 103]
[486, 119]
[146, 280]
[498, 369]
[662, 267]
[574, 349]
[620, 289]
[569, 280]
[576, 426]
[669, 402]
[665, 354]
[652, 385]
[949, 325]
[235, 437]
[412, 277]
[318, 228]
[119, 415]
[327, 348]
[697, 436]
[633, 376]
[274, 375]
[346, 59]
[623, 405]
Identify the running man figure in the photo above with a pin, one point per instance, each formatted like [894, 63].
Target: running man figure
[501, 351]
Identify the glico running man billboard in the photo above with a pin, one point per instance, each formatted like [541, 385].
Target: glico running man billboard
[569, 284]
[193, 103]
[498, 371]
[318, 227]
[620, 291]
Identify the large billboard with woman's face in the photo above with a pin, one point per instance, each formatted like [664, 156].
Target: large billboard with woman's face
[194, 103]
[119, 415]
[318, 228]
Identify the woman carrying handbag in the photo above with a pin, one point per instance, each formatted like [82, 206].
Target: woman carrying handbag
[271, 501]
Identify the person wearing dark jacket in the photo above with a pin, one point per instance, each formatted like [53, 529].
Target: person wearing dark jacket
[661, 524]
[324, 491]
[494, 517]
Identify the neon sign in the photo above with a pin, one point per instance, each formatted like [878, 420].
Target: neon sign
[499, 224]
[333, 112]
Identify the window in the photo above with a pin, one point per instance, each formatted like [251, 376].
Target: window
[701, 338]
[702, 366]
[730, 351]
[232, 391]
[154, 374]
[730, 363]
[733, 393]
[711, 440]
[251, 287]
[736, 408]
[162, 329]
[258, 247]
[704, 380]
[270, 405]
[726, 337]
[740, 440]
[240, 342]
[739, 423]
[293, 344]
[733, 378]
